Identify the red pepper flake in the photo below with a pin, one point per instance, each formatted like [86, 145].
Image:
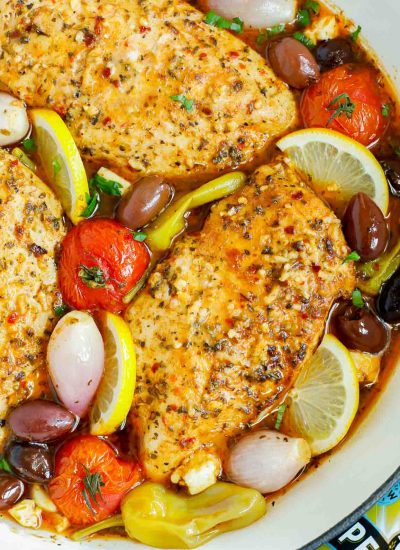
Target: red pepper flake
[229, 322]
[203, 55]
[116, 83]
[143, 30]
[107, 120]
[89, 38]
[297, 196]
[234, 54]
[106, 72]
[155, 367]
[242, 66]
[289, 230]
[172, 407]
[183, 443]
[98, 26]
[19, 231]
[316, 268]
[12, 318]
[377, 267]
[23, 384]
[207, 111]
[250, 107]
[61, 110]
[241, 145]
[14, 163]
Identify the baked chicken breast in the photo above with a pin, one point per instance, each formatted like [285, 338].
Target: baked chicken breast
[145, 86]
[227, 321]
[31, 228]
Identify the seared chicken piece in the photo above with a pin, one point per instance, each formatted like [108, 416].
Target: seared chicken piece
[110, 68]
[227, 321]
[31, 227]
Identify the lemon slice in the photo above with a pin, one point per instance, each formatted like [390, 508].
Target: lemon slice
[324, 401]
[339, 167]
[61, 161]
[115, 394]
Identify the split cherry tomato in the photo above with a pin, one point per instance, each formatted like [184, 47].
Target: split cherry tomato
[90, 480]
[347, 99]
[100, 263]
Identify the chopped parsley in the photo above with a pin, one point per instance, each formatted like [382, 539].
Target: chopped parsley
[341, 105]
[303, 18]
[357, 298]
[313, 6]
[386, 109]
[304, 40]
[29, 145]
[93, 277]
[269, 33]
[279, 418]
[186, 103]
[56, 166]
[60, 310]
[4, 465]
[92, 484]
[235, 25]
[139, 236]
[109, 187]
[352, 257]
[355, 34]
[92, 202]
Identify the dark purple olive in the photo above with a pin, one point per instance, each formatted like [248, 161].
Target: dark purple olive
[148, 197]
[11, 490]
[293, 62]
[332, 53]
[31, 462]
[365, 227]
[392, 173]
[359, 329]
[41, 421]
[388, 301]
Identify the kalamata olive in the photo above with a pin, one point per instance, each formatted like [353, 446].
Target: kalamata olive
[32, 462]
[388, 301]
[11, 490]
[293, 62]
[360, 329]
[392, 173]
[332, 53]
[365, 227]
[148, 197]
[40, 421]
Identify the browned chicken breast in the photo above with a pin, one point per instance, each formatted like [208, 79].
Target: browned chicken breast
[31, 227]
[110, 69]
[227, 321]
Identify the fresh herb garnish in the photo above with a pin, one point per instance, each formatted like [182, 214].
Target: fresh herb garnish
[357, 298]
[4, 465]
[186, 103]
[269, 33]
[386, 109]
[341, 105]
[93, 277]
[304, 40]
[355, 34]
[109, 187]
[303, 18]
[60, 310]
[279, 418]
[56, 166]
[92, 484]
[352, 257]
[139, 236]
[313, 6]
[235, 25]
[29, 145]
[92, 202]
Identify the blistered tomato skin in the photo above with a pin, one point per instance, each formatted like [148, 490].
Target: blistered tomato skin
[100, 263]
[366, 123]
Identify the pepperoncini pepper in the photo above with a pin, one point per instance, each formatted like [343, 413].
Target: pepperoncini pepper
[172, 221]
[163, 518]
[379, 271]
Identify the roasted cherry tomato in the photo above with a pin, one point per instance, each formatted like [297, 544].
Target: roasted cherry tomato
[100, 263]
[347, 99]
[90, 481]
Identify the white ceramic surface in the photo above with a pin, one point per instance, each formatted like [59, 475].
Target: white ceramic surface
[363, 464]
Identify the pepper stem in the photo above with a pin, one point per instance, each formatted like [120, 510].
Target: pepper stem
[115, 521]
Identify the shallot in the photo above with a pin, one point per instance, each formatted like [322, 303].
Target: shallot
[76, 359]
[267, 460]
[14, 122]
[256, 13]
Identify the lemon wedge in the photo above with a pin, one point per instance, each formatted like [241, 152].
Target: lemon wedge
[61, 161]
[339, 167]
[324, 400]
[115, 394]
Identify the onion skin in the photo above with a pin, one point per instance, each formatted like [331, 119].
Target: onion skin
[14, 122]
[75, 358]
[258, 14]
[267, 460]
